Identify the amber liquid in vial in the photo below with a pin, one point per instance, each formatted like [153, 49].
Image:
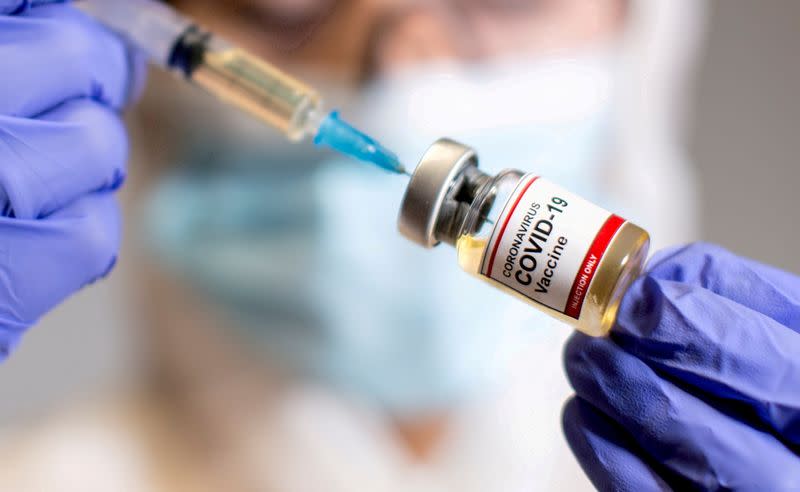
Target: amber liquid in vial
[620, 266]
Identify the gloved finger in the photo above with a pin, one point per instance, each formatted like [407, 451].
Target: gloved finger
[677, 430]
[79, 147]
[760, 287]
[606, 453]
[17, 6]
[745, 360]
[45, 261]
[55, 53]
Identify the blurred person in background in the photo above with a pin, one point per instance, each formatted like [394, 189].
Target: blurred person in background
[295, 343]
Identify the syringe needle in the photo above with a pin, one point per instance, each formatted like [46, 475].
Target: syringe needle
[337, 134]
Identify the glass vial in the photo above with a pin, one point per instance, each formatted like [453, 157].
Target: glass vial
[525, 236]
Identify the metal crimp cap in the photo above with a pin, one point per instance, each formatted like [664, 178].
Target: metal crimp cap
[440, 168]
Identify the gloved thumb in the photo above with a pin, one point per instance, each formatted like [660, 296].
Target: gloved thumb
[17, 6]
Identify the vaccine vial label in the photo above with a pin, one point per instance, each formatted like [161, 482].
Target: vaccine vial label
[548, 243]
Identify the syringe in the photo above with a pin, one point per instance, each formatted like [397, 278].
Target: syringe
[178, 44]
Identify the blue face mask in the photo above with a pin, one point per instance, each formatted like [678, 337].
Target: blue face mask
[310, 264]
[549, 116]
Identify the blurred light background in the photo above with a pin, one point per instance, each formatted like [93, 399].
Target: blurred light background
[745, 140]
[744, 143]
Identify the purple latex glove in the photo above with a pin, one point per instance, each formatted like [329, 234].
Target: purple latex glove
[698, 386]
[63, 147]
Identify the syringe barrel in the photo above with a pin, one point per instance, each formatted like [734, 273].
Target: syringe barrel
[240, 79]
[259, 88]
[150, 25]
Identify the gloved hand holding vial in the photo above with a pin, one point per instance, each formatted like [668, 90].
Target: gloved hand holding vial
[697, 386]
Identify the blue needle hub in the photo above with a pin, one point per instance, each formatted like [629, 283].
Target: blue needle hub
[342, 137]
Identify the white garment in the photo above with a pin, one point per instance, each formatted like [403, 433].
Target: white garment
[317, 441]
[90, 451]
[508, 442]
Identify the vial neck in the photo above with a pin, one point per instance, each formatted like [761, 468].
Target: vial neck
[457, 208]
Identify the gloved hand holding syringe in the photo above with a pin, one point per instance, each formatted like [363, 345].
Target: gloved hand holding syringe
[176, 43]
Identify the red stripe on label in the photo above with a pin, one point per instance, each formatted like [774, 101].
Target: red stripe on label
[505, 224]
[589, 265]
